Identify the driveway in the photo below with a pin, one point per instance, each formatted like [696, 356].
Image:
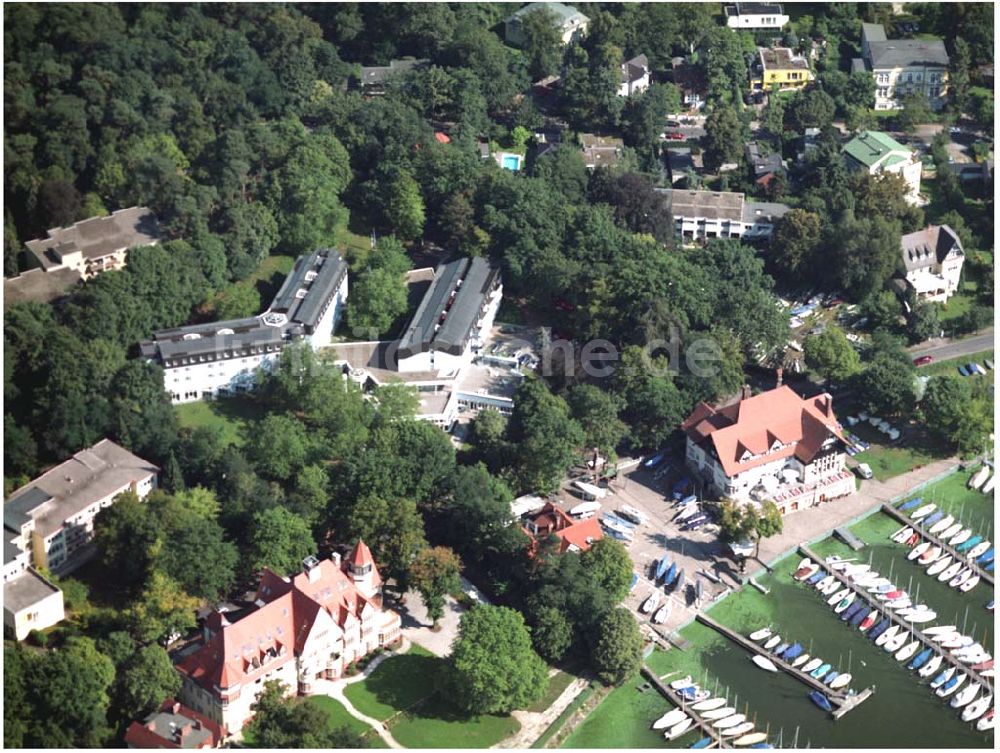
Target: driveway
[417, 625]
[943, 349]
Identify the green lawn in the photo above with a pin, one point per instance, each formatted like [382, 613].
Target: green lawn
[231, 415]
[958, 304]
[557, 684]
[437, 724]
[560, 720]
[622, 720]
[395, 685]
[887, 461]
[950, 366]
[338, 717]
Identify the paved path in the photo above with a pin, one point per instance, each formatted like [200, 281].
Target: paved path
[807, 524]
[943, 349]
[335, 689]
[533, 724]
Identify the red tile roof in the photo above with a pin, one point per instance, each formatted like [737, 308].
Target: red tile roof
[552, 520]
[442, 137]
[582, 534]
[361, 555]
[274, 633]
[778, 419]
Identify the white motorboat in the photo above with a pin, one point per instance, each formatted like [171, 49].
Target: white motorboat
[798, 661]
[931, 555]
[719, 713]
[878, 585]
[845, 603]
[887, 636]
[729, 721]
[841, 681]
[662, 614]
[651, 603]
[772, 642]
[964, 697]
[958, 642]
[739, 729]
[764, 663]
[969, 584]
[831, 587]
[679, 729]
[711, 703]
[761, 634]
[950, 572]
[943, 524]
[907, 651]
[918, 550]
[585, 508]
[939, 629]
[853, 571]
[961, 537]
[813, 664]
[977, 708]
[924, 511]
[925, 616]
[939, 566]
[931, 666]
[670, 719]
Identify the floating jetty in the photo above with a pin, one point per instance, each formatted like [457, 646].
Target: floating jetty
[897, 620]
[759, 587]
[675, 698]
[843, 701]
[958, 556]
[849, 538]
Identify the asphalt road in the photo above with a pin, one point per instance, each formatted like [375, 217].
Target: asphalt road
[943, 350]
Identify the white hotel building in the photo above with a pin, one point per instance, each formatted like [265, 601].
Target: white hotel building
[221, 358]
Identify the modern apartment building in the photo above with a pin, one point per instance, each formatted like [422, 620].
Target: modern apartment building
[903, 66]
[701, 215]
[95, 245]
[220, 358]
[52, 517]
[303, 631]
[775, 445]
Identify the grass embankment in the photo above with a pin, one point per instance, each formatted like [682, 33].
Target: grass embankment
[888, 460]
[557, 685]
[950, 366]
[403, 691]
[230, 416]
[556, 727]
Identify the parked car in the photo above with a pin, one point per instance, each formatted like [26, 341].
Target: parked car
[674, 136]
[864, 470]
[923, 360]
[673, 124]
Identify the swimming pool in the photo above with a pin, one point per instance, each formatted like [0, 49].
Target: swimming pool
[511, 162]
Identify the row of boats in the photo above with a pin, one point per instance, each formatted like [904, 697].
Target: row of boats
[939, 564]
[982, 481]
[795, 656]
[902, 645]
[714, 711]
[960, 538]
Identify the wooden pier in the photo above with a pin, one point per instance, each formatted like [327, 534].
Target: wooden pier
[849, 538]
[675, 698]
[897, 620]
[844, 702]
[959, 556]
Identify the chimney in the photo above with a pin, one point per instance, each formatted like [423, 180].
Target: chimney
[781, 373]
[310, 566]
[335, 559]
[745, 394]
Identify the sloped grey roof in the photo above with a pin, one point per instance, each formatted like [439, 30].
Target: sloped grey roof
[929, 246]
[903, 53]
[98, 236]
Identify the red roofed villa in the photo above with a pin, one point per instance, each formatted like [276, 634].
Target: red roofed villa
[174, 725]
[305, 630]
[775, 445]
[574, 535]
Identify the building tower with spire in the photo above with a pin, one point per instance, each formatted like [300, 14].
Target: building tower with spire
[360, 566]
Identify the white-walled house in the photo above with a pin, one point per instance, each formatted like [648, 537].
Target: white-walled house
[701, 215]
[571, 23]
[903, 66]
[775, 445]
[635, 76]
[304, 630]
[220, 358]
[878, 153]
[755, 16]
[933, 259]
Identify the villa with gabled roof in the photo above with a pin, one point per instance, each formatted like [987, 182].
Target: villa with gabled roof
[304, 629]
[775, 445]
[879, 153]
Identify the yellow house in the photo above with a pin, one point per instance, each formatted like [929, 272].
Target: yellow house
[777, 66]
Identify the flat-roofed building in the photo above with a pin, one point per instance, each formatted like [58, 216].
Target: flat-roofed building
[903, 66]
[456, 311]
[221, 358]
[779, 67]
[53, 515]
[701, 215]
[97, 244]
[755, 16]
[373, 80]
[570, 23]
[30, 602]
[174, 725]
[601, 151]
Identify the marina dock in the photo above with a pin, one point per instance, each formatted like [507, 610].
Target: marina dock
[844, 702]
[897, 620]
[915, 524]
[675, 698]
[849, 538]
